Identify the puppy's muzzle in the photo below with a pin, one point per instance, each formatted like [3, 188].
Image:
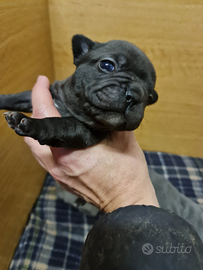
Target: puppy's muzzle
[115, 97]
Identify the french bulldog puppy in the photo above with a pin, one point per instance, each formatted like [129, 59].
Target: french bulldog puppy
[112, 85]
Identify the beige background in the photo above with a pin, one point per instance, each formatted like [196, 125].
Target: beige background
[25, 52]
[35, 38]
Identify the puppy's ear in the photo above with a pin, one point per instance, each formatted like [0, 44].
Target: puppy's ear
[153, 97]
[81, 45]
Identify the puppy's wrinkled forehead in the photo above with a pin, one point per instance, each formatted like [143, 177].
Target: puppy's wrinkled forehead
[122, 50]
[128, 56]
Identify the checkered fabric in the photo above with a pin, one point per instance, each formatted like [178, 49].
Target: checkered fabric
[185, 173]
[55, 232]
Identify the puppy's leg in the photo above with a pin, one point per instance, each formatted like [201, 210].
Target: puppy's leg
[16, 102]
[55, 131]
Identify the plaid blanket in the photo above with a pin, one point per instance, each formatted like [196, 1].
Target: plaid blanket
[55, 233]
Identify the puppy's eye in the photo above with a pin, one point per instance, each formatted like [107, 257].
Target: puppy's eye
[107, 65]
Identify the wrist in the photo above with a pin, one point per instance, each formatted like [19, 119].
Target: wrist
[132, 196]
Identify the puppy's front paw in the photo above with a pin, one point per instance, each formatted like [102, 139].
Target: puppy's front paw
[18, 122]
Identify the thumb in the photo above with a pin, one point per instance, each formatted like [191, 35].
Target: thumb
[43, 106]
[42, 101]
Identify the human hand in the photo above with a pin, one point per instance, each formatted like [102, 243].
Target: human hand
[109, 175]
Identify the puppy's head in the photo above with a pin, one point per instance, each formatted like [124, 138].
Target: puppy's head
[114, 82]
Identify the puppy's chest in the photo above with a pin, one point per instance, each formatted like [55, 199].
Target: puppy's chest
[64, 112]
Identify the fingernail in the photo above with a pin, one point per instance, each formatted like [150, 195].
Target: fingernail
[39, 78]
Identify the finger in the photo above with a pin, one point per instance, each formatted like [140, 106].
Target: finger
[42, 101]
[41, 152]
[45, 158]
[43, 106]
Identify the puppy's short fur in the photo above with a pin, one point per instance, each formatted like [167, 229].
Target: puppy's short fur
[112, 85]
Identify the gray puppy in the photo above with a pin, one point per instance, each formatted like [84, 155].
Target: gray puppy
[112, 85]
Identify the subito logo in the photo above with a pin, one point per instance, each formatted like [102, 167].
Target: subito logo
[147, 249]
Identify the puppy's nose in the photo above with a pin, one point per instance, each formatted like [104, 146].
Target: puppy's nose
[129, 98]
[132, 97]
[134, 94]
